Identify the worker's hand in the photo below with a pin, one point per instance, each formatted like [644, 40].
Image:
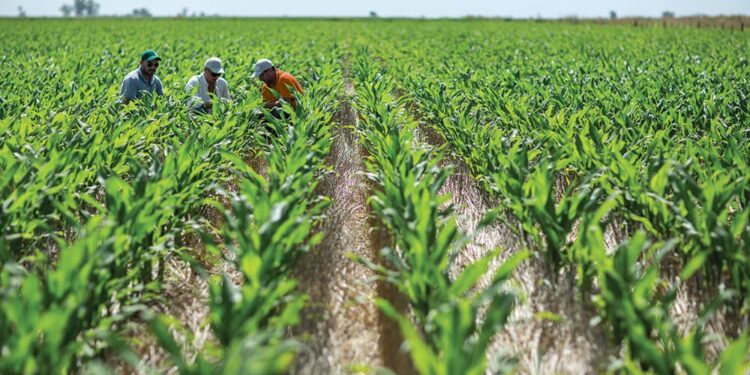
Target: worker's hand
[207, 105]
[270, 105]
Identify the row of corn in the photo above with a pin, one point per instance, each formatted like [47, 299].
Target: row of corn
[443, 326]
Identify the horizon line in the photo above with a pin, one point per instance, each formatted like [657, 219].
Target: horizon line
[469, 16]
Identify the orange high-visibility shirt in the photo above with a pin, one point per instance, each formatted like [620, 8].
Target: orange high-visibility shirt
[284, 81]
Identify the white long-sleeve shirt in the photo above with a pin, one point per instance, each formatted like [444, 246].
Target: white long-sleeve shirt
[198, 87]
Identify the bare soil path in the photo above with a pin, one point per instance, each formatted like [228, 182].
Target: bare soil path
[342, 322]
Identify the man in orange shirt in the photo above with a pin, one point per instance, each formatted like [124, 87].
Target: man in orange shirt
[277, 80]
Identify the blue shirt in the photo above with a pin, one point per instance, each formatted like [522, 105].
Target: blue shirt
[134, 83]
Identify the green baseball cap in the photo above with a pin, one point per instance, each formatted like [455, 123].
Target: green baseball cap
[150, 55]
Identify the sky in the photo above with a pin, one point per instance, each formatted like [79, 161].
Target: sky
[397, 8]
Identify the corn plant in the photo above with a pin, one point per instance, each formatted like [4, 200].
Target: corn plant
[639, 314]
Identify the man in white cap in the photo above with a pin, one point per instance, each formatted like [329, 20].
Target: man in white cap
[277, 80]
[203, 85]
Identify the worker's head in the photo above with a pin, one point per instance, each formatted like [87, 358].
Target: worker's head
[212, 70]
[149, 62]
[265, 71]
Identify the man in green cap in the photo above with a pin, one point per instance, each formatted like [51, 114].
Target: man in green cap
[142, 79]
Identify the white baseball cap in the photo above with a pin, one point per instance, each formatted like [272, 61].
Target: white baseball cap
[261, 66]
[214, 64]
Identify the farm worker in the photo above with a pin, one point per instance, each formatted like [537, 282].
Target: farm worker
[210, 82]
[276, 80]
[142, 79]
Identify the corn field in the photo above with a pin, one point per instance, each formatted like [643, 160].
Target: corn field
[449, 197]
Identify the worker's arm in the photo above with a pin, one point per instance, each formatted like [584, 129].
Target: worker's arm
[190, 85]
[293, 86]
[128, 92]
[196, 102]
[159, 87]
[269, 98]
[223, 90]
[297, 86]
